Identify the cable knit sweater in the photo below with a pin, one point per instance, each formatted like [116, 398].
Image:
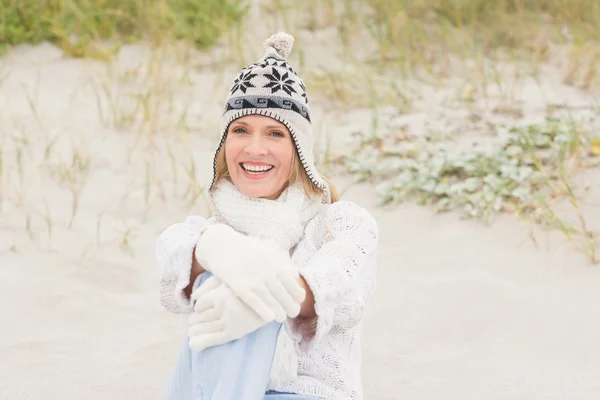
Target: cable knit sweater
[337, 258]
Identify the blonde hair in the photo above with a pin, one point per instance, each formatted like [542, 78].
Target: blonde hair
[297, 176]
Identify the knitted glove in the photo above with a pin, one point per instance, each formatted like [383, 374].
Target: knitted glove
[258, 272]
[219, 316]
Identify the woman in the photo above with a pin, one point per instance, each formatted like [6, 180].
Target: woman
[276, 282]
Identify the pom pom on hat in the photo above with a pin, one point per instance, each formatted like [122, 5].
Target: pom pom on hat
[282, 43]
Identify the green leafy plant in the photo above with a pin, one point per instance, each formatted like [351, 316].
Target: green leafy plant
[525, 172]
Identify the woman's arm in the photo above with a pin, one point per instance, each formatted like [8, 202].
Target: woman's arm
[307, 309]
[194, 272]
[174, 256]
[341, 274]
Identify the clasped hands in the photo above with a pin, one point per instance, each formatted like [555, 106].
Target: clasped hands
[253, 283]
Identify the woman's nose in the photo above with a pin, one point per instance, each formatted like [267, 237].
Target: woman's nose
[256, 146]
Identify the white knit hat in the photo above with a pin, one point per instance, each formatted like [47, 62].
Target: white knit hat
[272, 88]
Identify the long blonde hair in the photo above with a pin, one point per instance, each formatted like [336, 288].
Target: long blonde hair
[297, 175]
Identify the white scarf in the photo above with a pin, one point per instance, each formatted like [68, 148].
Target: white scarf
[281, 221]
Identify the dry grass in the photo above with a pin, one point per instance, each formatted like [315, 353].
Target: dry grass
[396, 55]
[397, 52]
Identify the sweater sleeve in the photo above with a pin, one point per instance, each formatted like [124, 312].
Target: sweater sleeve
[174, 250]
[342, 272]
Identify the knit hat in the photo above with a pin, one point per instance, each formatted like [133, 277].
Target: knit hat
[271, 87]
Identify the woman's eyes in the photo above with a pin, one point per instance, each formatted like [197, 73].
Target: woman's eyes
[272, 133]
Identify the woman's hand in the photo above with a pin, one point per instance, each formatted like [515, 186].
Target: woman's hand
[258, 272]
[219, 316]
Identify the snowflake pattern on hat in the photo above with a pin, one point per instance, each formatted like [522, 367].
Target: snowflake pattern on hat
[242, 82]
[279, 76]
[280, 82]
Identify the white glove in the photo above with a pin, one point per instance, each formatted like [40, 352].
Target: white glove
[219, 316]
[257, 271]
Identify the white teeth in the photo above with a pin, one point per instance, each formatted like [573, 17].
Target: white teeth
[257, 168]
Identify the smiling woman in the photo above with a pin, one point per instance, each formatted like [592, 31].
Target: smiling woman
[259, 153]
[276, 281]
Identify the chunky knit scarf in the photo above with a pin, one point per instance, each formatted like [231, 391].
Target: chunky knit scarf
[282, 222]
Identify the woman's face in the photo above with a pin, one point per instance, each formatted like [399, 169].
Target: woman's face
[259, 152]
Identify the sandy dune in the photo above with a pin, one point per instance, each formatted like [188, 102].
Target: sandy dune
[462, 311]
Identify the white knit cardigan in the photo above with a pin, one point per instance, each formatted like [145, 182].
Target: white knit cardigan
[337, 257]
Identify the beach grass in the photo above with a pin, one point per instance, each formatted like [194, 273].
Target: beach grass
[393, 51]
[82, 27]
[529, 170]
[485, 52]
[419, 30]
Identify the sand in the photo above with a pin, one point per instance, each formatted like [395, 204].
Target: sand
[461, 311]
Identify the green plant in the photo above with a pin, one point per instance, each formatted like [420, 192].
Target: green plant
[526, 171]
[78, 26]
